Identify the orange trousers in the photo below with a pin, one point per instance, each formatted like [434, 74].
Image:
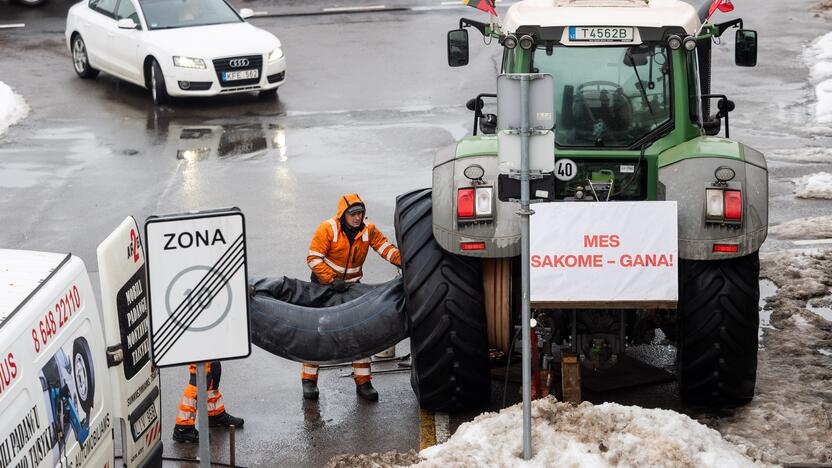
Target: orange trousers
[360, 371]
[186, 416]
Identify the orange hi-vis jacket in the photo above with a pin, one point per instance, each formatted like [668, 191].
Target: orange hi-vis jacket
[332, 256]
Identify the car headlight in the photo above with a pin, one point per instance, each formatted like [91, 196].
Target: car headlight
[189, 62]
[276, 55]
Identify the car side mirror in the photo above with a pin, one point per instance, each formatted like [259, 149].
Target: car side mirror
[458, 47]
[745, 52]
[246, 13]
[127, 23]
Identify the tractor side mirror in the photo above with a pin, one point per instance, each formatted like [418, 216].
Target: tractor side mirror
[488, 124]
[474, 104]
[745, 52]
[458, 47]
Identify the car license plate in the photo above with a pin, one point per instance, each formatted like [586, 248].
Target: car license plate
[145, 420]
[240, 75]
[601, 34]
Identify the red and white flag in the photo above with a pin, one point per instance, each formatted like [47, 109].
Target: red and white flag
[722, 5]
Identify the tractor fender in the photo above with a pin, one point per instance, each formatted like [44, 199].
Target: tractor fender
[684, 179]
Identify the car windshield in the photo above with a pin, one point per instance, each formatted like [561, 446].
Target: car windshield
[607, 96]
[167, 14]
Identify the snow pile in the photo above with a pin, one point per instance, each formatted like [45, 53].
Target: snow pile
[814, 186]
[818, 57]
[586, 435]
[804, 228]
[790, 419]
[12, 108]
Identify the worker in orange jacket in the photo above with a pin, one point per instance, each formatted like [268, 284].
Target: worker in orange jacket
[336, 255]
[185, 430]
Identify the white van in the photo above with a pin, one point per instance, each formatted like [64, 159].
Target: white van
[68, 372]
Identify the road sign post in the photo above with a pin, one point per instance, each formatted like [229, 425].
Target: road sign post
[529, 117]
[197, 289]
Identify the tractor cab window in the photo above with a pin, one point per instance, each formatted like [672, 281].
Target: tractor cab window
[607, 96]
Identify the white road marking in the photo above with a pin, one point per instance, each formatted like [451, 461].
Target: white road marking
[260, 13]
[10, 26]
[442, 422]
[356, 8]
[812, 241]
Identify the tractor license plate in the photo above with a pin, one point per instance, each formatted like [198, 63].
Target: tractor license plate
[240, 75]
[601, 33]
[145, 420]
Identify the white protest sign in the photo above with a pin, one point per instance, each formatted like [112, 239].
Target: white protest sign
[603, 254]
[197, 283]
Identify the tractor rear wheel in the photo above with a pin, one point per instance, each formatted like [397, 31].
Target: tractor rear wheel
[448, 331]
[718, 306]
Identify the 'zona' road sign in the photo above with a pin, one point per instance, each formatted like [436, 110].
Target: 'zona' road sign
[197, 284]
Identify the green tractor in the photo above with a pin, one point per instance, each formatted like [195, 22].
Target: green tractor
[634, 110]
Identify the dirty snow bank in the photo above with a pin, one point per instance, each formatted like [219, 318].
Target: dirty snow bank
[586, 435]
[819, 227]
[818, 57]
[814, 186]
[790, 419]
[12, 108]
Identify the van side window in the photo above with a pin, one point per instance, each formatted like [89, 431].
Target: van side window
[105, 7]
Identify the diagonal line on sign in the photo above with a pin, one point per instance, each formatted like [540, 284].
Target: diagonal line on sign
[204, 297]
[187, 302]
[182, 330]
[196, 298]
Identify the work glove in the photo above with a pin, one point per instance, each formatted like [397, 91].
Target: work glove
[339, 286]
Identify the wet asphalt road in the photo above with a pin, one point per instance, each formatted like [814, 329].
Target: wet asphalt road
[369, 99]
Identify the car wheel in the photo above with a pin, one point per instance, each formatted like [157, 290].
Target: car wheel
[157, 85]
[81, 60]
[83, 373]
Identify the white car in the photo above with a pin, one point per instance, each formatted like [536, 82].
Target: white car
[175, 47]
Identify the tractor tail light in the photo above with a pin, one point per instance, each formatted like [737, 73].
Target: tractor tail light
[484, 201]
[726, 248]
[465, 203]
[733, 205]
[714, 205]
[472, 245]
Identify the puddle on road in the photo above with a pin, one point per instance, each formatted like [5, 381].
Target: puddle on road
[193, 143]
[767, 289]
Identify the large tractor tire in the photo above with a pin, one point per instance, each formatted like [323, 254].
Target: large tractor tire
[718, 306]
[444, 302]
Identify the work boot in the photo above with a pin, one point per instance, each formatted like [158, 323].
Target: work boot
[310, 389]
[187, 434]
[366, 391]
[224, 420]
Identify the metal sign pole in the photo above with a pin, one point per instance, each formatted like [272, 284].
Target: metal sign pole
[524, 213]
[202, 416]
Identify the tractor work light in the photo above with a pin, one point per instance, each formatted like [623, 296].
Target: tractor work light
[689, 43]
[674, 42]
[526, 42]
[465, 203]
[510, 41]
[474, 172]
[724, 174]
[484, 201]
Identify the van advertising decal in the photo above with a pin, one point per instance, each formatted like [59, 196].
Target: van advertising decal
[45, 433]
[131, 306]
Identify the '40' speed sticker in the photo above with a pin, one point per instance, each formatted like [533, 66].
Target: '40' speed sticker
[565, 169]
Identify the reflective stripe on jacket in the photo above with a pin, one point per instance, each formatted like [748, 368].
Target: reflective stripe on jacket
[330, 255]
